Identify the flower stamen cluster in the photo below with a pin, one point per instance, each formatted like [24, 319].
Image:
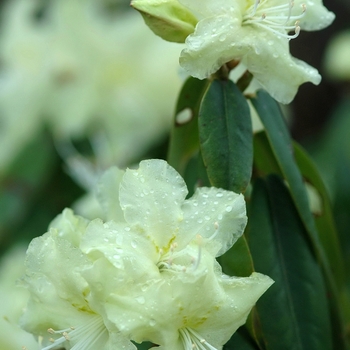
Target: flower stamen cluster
[276, 19]
[191, 340]
[83, 337]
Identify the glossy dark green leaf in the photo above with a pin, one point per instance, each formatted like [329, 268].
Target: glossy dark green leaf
[237, 261]
[282, 147]
[294, 312]
[264, 159]
[323, 217]
[330, 242]
[241, 340]
[184, 141]
[225, 134]
[195, 174]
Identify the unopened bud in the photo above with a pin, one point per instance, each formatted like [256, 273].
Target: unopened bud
[167, 18]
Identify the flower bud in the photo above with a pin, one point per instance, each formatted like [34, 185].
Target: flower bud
[167, 18]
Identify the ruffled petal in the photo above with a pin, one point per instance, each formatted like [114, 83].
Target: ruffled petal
[53, 278]
[151, 198]
[273, 67]
[52, 262]
[316, 15]
[69, 226]
[215, 41]
[129, 253]
[217, 215]
[241, 294]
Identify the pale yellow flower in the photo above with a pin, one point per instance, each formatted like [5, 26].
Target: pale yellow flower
[256, 32]
[71, 66]
[166, 245]
[147, 274]
[60, 312]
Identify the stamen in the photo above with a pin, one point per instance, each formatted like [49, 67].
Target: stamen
[216, 226]
[276, 19]
[192, 340]
[199, 239]
[81, 338]
[257, 2]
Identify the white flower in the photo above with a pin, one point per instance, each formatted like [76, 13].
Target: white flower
[148, 274]
[162, 246]
[183, 309]
[151, 201]
[83, 72]
[60, 311]
[255, 32]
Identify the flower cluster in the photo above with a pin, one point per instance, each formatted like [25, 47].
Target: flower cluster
[149, 273]
[253, 32]
[80, 70]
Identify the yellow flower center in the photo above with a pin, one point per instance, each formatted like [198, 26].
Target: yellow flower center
[168, 261]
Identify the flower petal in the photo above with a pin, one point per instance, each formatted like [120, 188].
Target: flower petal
[69, 226]
[211, 45]
[151, 198]
[210, 7]
[108, 193]
[273, 67]
[129, 253]
[242, 293]
[53, 278]
[217, 215]
[316, 15]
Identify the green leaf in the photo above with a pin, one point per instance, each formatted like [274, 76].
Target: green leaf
[241, 341]
[324, 219]
[237, 261]
[195, 174]
[264, 160]
[294, 312]
[329, 240]
[184, 142]
[225, 134]
[281, 145]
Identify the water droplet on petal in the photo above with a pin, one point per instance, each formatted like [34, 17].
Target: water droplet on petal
[222, 37]
[140, 300]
